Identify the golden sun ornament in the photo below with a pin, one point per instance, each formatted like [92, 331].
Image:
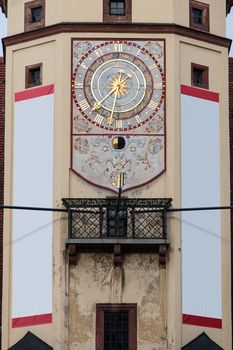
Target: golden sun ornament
[120, 83]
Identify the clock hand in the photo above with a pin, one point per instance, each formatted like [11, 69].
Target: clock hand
[98, 104]
[110, 119]
[128, 77]
[119, 80]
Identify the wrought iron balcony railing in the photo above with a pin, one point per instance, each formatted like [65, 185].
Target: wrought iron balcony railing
[112, 219]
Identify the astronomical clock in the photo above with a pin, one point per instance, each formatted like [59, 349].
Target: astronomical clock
[118, 111]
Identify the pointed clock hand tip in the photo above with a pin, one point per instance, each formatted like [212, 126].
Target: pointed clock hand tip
[110, 121]
[126, 78]
[97, 106]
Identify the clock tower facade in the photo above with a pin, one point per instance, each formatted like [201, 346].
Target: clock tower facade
[116, 120]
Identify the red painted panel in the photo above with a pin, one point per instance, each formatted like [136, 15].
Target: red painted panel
[31, 320]
[33, 93]
[202, 321]
[200, 93]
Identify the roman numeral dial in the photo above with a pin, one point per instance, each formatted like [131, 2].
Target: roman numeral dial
[118, 85]
[84, 105]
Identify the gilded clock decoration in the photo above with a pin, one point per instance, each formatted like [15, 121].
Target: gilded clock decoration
[118, 86]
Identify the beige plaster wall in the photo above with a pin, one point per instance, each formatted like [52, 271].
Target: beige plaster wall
[210, 57]
[150, 11]
[94, 280]
[54, 52]
[43, 53]
[153, 11]
[83, 11]
[217, 15]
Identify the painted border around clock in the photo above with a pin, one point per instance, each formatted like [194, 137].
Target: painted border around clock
[119, 134]
[121, 130]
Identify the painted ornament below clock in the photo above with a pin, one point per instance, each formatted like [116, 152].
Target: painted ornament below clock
[118, 111]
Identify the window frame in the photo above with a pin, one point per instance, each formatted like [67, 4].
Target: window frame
[132, 319]
[205, 25]
[28, 6]
[205, 76]
[28, 69]
[127, 17]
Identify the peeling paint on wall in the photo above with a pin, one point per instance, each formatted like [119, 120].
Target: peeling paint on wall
[94, 280]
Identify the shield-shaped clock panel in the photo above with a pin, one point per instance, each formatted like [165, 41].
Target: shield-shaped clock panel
[118, 111]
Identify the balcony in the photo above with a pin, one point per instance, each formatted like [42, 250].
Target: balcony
[134, 224]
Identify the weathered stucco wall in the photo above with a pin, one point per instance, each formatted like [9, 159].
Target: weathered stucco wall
[95, 280]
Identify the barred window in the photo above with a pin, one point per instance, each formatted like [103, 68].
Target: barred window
[117, 8]
[116, 326]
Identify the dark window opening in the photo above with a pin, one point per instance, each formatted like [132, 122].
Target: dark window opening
[33, 76]
[36, 14]
[117, 222]
[197, 15]
[117, 8]
[200, 76]
[116, 329]
[116, 326]
[197, 76]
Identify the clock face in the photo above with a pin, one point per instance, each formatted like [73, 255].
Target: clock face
[118, 85]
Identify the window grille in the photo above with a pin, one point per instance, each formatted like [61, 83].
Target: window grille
[116, 330]
[116, 326]
[117, 8]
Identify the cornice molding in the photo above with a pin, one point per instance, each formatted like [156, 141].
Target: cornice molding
[134, 28]
[3, 5]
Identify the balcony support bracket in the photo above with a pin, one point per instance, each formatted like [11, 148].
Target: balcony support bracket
[162, 256]
[117, 257]
[72, 251]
